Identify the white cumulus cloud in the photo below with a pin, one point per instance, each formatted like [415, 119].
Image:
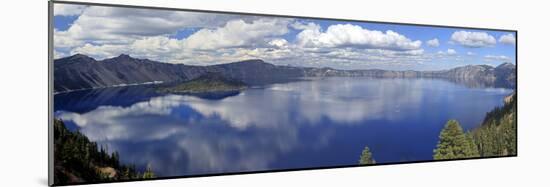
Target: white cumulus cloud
[448, 52]
[451, 51]
[237, 40]
[67, 9]
[433, 42]
[344, 35]
[115, 25]
[507, 39]
[473, 39]
[305, 26]
[208, 38]
[237, 33]
[279, 43]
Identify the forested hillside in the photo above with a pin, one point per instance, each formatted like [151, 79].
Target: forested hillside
[77, 160]
[496, 136]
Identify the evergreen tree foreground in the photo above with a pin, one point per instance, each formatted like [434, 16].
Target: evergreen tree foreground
[366, 157]
[454, 143]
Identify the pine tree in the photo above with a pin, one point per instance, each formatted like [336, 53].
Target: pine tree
[148, 174]
[366, 157]
[454, 143]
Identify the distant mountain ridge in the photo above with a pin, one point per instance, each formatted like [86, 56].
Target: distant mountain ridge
[82, 72]
[503, 75]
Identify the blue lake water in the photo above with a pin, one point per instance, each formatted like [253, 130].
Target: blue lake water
[315, 123]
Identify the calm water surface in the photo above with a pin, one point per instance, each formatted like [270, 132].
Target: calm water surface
[318, 123]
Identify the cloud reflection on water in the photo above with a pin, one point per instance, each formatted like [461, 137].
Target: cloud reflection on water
[181, 135]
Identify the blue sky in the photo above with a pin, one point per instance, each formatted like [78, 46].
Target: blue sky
[208, 38]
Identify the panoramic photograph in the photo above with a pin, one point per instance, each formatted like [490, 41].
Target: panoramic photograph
[144, 93]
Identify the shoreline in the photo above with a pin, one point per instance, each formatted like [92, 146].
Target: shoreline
[113, 86]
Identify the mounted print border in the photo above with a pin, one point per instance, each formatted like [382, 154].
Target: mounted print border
[145, 93]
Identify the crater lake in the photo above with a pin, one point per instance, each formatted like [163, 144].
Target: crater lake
[303, 124]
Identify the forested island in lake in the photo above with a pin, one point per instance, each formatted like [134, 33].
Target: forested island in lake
[207, 83]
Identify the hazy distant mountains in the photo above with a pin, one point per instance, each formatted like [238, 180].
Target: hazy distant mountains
[503, 75]
[82, 72]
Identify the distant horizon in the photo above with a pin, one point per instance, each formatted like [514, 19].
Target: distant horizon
[122, 54]
[201, 38]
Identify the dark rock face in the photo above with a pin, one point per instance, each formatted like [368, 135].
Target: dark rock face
[76, 72]
[82, 72]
